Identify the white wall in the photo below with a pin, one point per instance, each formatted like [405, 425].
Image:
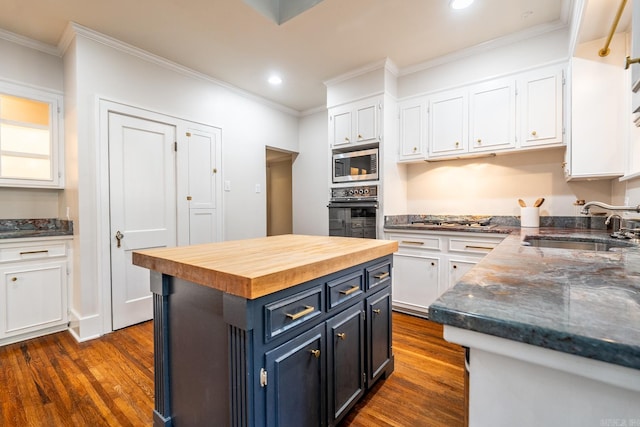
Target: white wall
[26, 66]
[95, 70]
[492, 185]
[311, 177]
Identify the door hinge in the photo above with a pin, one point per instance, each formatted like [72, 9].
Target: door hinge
[175, 146]
[263, 377]
[363, 314]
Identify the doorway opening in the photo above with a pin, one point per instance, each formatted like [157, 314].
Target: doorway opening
[279, 192]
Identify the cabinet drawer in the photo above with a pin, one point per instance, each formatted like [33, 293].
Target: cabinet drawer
[378, 275]
[286, 314]
[344, 289]
[412, 242]
[29, 252]
[473, 246]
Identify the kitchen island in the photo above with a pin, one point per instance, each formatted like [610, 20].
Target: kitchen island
[277, 331]
[553, 333]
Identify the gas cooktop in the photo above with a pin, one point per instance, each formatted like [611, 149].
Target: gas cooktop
[484, 223]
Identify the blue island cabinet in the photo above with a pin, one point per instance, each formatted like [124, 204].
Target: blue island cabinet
[302, 356]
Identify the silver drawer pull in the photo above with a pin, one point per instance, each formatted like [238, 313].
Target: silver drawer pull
[381, 276]
[411, 242]
[478, 247]
[307, 309]
[44, 251]
[350, 291]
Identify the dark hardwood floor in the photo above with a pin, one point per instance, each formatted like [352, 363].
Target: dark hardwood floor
[55, 381]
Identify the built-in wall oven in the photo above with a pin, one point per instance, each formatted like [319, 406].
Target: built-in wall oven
[353, 211]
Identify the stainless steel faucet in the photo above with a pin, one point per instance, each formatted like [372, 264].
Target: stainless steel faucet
[585, 208]
[618, 232]
[608, 220]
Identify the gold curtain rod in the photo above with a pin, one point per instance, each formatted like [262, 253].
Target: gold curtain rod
[605, 50]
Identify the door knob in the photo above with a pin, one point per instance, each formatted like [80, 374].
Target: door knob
[119, 237]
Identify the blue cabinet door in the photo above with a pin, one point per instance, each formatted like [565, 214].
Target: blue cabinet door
[345, 361]
[379, 348]
[295, 389]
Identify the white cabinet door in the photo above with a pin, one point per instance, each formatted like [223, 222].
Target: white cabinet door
[341, 128]
[448, 123]
[415, 282]
[492, 115]
[635, 53]
[366, 129]
[541, 107]
[458, 267]
[413, 120]
[33, 296]
[355, 124]
[598, 120]
[31, 137]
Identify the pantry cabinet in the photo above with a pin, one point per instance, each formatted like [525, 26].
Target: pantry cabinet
[430, 262]
[33, 288]
[355, 123]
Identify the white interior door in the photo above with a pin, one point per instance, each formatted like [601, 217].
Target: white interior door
[142, 186]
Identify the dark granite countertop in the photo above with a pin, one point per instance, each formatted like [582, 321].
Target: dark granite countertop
[581, 302]
[28, 228]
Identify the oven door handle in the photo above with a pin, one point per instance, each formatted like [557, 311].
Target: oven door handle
[353, 205]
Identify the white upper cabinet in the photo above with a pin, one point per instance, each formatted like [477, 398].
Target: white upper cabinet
[355, 123]
[540, 93]
[635, 53]
[595, 149]
[507, 114]
[31, 145]
[413, 129]
[448, 123]
[492, 115]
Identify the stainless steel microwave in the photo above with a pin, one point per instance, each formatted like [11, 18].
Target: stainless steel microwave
[356, 166]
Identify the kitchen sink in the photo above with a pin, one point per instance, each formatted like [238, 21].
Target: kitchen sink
[574, 244]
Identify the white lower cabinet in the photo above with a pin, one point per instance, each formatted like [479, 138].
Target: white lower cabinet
[429, 262]
[33, 289]
[415, 281]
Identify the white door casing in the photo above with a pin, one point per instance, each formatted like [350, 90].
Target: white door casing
[142, 193]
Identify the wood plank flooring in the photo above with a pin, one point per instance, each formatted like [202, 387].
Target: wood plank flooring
[55, 381]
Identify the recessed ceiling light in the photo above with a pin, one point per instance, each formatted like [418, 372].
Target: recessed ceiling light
[460, 4]
[275, 80]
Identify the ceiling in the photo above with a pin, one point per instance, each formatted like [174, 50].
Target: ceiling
[230, 41]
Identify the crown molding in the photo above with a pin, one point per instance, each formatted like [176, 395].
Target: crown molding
[486, 46]
[30, 43]
[386, 63]
[74, 30]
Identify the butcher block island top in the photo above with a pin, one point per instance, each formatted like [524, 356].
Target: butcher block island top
[253, 268]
